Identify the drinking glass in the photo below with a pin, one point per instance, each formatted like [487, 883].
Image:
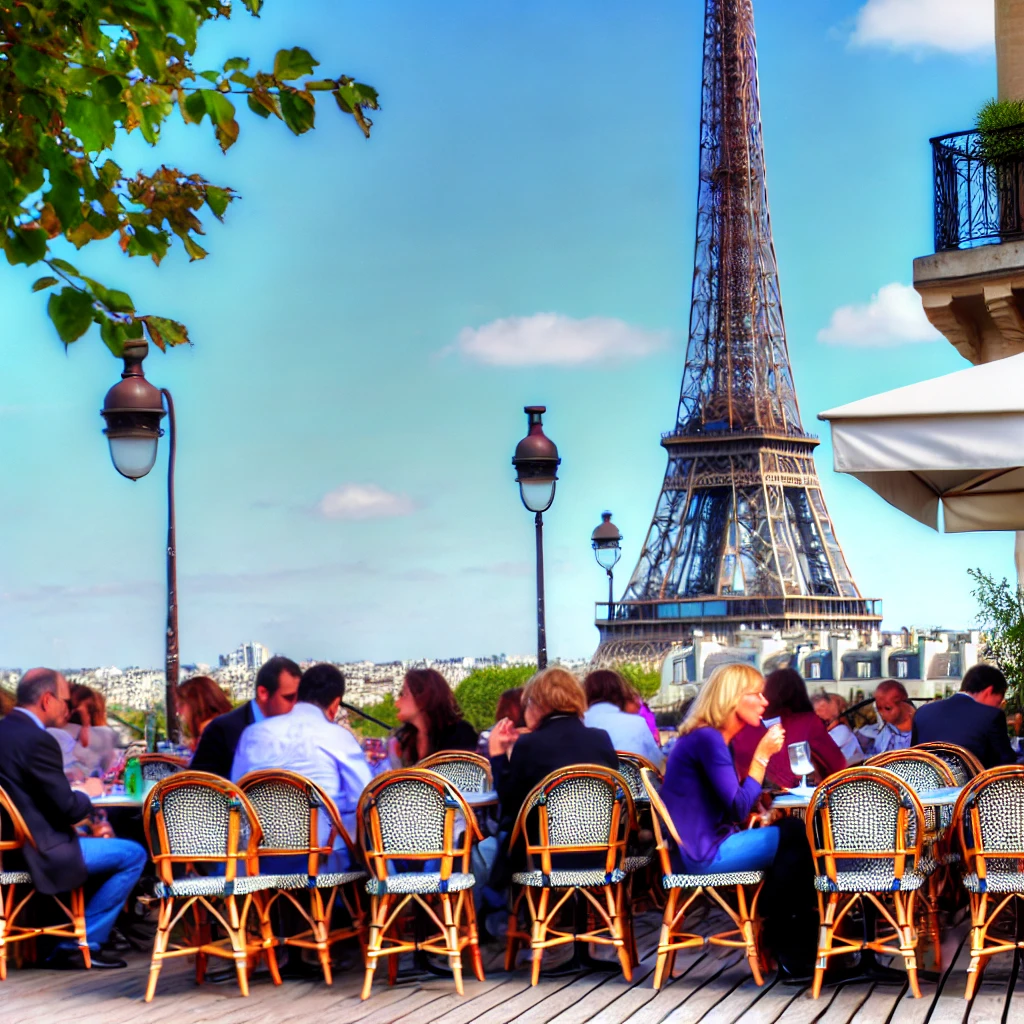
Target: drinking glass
[800, 761]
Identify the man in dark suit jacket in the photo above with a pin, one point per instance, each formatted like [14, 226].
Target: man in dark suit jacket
[31, 773]
[277, 689]
[973, 718]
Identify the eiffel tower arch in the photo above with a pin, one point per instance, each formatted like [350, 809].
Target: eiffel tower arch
[741, 537]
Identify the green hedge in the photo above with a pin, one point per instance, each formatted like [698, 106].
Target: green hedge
[478, 693]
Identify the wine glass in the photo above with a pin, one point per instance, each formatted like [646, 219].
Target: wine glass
[800, 761]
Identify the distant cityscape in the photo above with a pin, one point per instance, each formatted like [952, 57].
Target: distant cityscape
[366, 682]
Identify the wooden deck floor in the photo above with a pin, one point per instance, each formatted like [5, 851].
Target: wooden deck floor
[712, 986]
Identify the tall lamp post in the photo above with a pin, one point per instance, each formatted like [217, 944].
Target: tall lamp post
[536, 462]
[606, 542]
[133, 410]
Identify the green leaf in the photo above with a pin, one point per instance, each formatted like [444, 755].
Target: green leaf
[253, 6]
[58, 264]
[321, 85]
[237, 64]
[64, 195]
[293, 63]
[297, 111]
[163, 332]
[71, 312]
[210, 76]
[256, 107]
[217, 199]
[25, 245]
[115, 301]
[44, 282]
[193, 248]
[90, 122]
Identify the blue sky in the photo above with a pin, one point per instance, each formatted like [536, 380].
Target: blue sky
[530, 158]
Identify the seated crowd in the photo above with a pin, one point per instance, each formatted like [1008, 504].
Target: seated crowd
[731, 746]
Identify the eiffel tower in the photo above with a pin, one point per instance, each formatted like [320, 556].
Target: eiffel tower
[740, 538]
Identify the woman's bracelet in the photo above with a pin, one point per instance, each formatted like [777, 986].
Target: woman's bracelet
[762, 761]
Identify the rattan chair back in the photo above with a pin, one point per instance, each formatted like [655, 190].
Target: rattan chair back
[468, 772]
[961, 762]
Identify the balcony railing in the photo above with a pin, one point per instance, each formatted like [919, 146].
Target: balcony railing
[979, 188]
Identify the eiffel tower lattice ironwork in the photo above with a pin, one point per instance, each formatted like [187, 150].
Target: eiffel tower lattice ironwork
[740, 536]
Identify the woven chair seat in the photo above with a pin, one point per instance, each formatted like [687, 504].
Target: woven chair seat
[325, 880]
[15, 878]
[995, 881]
[712, 881]
[419, 882]
[213, 885]
[568, 879]
[876, 878]
[637, 862]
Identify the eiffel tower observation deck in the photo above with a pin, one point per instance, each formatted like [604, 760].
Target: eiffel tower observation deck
[741, 538]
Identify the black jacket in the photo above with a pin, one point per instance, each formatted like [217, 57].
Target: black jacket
[32, 774]
[558, 742]
[962, 720]
[217, 745]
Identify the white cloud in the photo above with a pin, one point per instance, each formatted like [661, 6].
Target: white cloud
[956, 26]
[892, 317]
[364, 501]
[551, 339]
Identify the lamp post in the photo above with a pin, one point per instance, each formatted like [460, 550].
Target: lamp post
[133, 410]
[536, 462]
[606, 542]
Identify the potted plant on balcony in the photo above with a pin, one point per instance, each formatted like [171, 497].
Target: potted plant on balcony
[1000, 127]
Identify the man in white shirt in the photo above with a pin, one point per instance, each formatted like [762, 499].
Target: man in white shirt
[309, 742]
[895, 715]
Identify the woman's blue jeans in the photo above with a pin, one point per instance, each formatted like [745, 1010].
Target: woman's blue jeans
[753, 849]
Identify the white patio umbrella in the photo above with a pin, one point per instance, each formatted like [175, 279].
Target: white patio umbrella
[956, 440]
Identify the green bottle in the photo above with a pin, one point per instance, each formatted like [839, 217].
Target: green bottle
[133, 777]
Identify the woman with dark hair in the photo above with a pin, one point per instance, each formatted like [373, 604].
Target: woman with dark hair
[87, 743]
[510, 706]
[431, 719]
[608, 695]
[789, 706]
[200, 701]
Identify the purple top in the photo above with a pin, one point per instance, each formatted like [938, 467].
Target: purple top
[703, 795]
[648, 716]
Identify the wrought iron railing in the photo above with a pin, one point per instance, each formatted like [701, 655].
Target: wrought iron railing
[979, 188]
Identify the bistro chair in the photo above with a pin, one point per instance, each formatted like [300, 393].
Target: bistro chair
[961, 762]
[467, 772]
[580, 810]
[198, 818]
[155, 767]
[16, 889]
[866, 829]
[640, 853]
[290, 809]
[989, 819]
[923, 771]
[406, 818]
[684, 889]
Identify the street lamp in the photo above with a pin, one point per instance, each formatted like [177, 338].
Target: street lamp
[536, 462]
[133, 410]
[606, 542]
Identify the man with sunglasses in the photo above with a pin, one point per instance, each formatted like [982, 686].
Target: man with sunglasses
[59, 860]
[277, 690]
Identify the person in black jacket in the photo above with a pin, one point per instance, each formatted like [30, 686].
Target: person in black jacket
[554, 704]
[277, 689]
[973, 718]
[32, 775]
[431, 719]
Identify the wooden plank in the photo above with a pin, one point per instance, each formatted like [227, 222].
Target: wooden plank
[456, 1009]
[739, 1002]
[773, 1004]
[849, 999]
[879, 1006]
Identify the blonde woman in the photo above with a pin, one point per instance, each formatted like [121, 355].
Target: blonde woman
[709, 805]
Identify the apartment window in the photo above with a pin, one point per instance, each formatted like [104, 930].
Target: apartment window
[863, 669]
[815, 670]
[901, 669]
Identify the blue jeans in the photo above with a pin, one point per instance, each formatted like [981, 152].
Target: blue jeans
[753, 849]
[116, 865]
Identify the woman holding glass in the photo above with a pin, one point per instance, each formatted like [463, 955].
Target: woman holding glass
[709, 805]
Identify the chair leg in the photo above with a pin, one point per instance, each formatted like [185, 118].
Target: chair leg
[513, 943]
[321, 933]
[468, 908]
[262, 904]
[827, 915]
[78, 922]
[538, 930]
[451, 940]
[979, 911]
[160, 941]
[374, 941]
[666, 937]
[6, 900]
[617, 912]
[749, 933]
[907, 937]
[236, 936]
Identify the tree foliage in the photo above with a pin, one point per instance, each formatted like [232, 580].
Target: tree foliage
[1001, 617]
[646, 682]
[75, 75]
[478, 693]
[384, 710]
